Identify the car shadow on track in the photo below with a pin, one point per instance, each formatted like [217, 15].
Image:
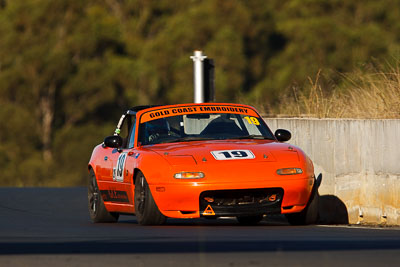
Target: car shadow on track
[271, 220]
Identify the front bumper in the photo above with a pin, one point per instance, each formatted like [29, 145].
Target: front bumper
[241, 202]
[186, 199]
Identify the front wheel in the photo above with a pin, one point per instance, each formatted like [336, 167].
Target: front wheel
[146, 210]
[97, 211]
[310, 214]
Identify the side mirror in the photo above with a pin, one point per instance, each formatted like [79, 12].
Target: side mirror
[283, 135]
[114, 141]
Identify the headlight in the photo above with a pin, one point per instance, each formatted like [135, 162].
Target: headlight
[289, 171]
[189, 175]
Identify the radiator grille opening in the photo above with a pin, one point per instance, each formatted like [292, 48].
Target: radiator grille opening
[242, 201]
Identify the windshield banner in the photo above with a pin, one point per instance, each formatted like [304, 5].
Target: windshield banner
[198, 109]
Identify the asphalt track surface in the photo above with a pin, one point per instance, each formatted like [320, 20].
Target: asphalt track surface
[51, 227]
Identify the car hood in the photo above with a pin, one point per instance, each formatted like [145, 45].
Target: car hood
[244, 151]
[266, 157]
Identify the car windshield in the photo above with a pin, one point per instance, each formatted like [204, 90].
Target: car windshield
[202, 126]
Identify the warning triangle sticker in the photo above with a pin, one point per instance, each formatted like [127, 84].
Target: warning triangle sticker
[208, 211]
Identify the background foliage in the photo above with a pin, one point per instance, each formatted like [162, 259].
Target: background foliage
[69, 68]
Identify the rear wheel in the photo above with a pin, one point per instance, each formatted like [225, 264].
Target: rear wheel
[310, 214]
[249, 220]
[146, 210]
[97, 211]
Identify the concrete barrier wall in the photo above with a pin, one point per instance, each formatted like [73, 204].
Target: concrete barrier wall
[360, 164]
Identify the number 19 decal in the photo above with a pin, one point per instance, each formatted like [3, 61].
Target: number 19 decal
[118, 171]
[232, 154]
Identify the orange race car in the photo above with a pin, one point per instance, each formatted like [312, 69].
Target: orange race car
[199, 160]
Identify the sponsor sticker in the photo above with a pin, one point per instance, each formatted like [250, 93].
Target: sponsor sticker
[114, 196]
[168, 112]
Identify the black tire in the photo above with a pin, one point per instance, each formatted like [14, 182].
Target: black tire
[249, 220]
[146, 210]
[97, 211]
[310, 214]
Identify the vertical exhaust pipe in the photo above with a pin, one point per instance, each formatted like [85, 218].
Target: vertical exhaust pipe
[198, 68]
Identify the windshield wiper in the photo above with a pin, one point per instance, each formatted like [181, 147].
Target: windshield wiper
[187, 139]
[195, 138]
[251, 136]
